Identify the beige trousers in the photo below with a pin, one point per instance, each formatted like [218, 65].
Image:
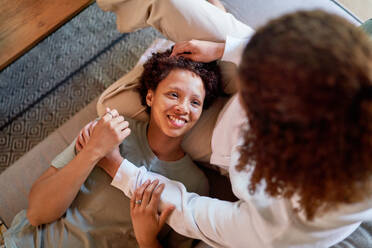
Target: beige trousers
[178, 20]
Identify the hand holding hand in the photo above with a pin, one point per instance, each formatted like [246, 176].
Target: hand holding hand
[105, 135]
[198, 50]
[84, 135]
[147, 222]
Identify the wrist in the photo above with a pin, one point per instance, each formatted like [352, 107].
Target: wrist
[93, 153]
[111, 165]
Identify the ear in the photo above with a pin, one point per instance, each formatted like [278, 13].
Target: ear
[149, 98]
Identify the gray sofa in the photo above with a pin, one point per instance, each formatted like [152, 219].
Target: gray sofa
[16, 181]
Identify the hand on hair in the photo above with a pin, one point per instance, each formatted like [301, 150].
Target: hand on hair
[146, 220]
[198, 50]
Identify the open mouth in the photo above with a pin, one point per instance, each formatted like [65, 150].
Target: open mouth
[176, 121]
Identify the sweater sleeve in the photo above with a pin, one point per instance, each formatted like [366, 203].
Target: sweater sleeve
[234, 48]
[196, 216]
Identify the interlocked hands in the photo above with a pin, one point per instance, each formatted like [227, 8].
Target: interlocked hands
[103, 136]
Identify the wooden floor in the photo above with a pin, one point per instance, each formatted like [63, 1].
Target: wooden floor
[23, 23]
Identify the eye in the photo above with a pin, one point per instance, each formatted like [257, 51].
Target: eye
[195, 103]
[173, 94]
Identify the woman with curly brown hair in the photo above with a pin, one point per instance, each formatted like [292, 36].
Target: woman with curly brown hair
[72, 204]
[303, 169]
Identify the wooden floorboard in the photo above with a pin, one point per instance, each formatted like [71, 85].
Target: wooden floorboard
[23, 23]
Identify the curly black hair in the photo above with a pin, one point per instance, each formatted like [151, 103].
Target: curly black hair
[161, 64]
[306, 85]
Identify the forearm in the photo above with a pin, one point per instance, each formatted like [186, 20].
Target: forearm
[49, 198]
[192, 212]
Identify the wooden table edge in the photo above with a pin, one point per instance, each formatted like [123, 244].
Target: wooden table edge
[44, 35]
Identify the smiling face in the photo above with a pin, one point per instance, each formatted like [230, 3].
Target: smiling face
[177, 102]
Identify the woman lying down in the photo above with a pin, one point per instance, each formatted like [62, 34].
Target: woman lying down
[72, 204]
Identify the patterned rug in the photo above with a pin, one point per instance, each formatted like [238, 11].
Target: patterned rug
[61, 75]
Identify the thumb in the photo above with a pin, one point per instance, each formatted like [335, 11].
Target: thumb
[191, 56]
[108, 109]
[174, 52]
[179, 48]
[165, 214]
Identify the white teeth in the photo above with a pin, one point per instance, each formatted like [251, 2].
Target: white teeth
[178, 121]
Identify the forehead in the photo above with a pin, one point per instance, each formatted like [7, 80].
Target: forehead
[183, 80]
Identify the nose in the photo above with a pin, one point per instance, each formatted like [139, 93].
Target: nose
[182, 108]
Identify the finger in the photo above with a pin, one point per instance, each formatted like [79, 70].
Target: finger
[135, 197]
[176, 47]
[114, 113]
[78, 146]
[122, 125]
[155, 198]
[86, 135]
[106, 117]
[133, 200]
[125, 133]
[138, 193]
[80, 139]
[148, 193]
[185, 51]
[193, 57]
[180, 48]
[165, 214]
[118, 119]
[91, 127]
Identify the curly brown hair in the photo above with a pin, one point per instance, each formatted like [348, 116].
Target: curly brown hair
[160, 65]
[307, 91]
